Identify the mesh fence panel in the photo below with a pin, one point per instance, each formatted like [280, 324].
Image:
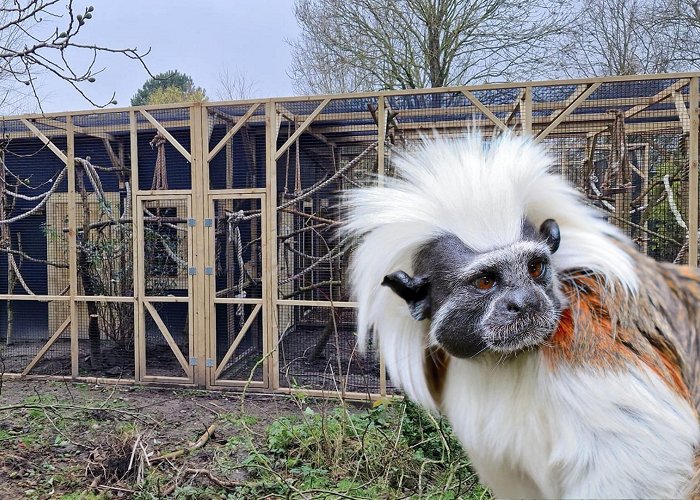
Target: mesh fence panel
[240, 163]
[160, 356]
[162, 165]
[25, 329]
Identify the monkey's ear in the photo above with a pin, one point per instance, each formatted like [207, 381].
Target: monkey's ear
[550, 232]
[415, 291]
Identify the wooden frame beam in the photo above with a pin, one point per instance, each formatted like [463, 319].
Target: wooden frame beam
[46, 346]
[567, 111]
[693, 152]
[234, 345]
[472, 98]
[47, 142]
[242, 121]
[300, 129]
[659, 96]
[168, 338]
[167, 135]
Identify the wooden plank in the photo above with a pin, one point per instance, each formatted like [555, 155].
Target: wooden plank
[242, 121]
[659, 96]
[103, 298]
[269, 228]
[201, 336]
[168, 380]
[693, 152]
[223, 194]
[45, 140]
[169, 339]
[35, 298]
[237, 300]
[473, 99]
[72, 246]
[47, 346]
[137, 262]
[167, 135]
[300, 129]
[567, 111]
[316, 303]
[526, 111]
[244, 329]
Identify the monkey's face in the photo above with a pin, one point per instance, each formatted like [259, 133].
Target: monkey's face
[503, 301]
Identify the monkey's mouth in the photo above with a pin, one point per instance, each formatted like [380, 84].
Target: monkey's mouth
[522, 333]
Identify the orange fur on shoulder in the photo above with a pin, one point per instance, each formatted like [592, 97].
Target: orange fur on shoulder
[598, 330]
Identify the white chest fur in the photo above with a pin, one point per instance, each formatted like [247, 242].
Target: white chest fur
[532, 432]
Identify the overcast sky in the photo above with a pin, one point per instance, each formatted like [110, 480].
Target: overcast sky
[199, 38]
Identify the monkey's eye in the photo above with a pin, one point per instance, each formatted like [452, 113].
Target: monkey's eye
[536, 268]
[484, 282]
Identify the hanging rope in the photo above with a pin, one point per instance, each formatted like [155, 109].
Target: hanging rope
[160, 174]
[297, 175]
[286, 170]
[234, 235]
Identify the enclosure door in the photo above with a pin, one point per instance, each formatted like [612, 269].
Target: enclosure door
[236, 285]
[165, 280]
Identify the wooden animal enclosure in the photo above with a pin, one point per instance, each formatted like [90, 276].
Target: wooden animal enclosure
[196, 244]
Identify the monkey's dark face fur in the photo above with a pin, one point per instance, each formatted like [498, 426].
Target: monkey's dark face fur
[504, 301]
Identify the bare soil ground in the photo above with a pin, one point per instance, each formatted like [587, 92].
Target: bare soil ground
[61, 440]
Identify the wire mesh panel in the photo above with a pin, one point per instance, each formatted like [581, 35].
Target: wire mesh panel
[167, 339]
[236, 146]
[33, 246]
[625, 146]
[318, 350]
[106, 339]
[337, 150]
[28, 341]
[239, 342]
[238, 256]
[165, 246]
[164, 149]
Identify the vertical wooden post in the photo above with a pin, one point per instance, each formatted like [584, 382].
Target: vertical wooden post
[137, 262]
[693, 174]
[526, 111]
[381, 138]
[198, 314]
[72, 246]
[208, 340]
[270, 264]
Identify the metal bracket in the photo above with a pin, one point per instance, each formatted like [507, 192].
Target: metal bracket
[192, 271]
[208, 223]
[209, 363]
[192, 222]
[193, 361]
[208, 271]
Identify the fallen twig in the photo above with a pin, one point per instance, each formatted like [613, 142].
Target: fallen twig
[198, 444]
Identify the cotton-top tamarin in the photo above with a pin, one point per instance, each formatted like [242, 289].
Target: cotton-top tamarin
[565, 360]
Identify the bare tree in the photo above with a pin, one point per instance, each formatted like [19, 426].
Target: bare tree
[232, 85]
[43, 38]
[386, 44]
[679, 23]
[616, 37]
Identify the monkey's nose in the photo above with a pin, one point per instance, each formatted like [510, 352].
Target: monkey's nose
[514, 307]
[519, 301]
